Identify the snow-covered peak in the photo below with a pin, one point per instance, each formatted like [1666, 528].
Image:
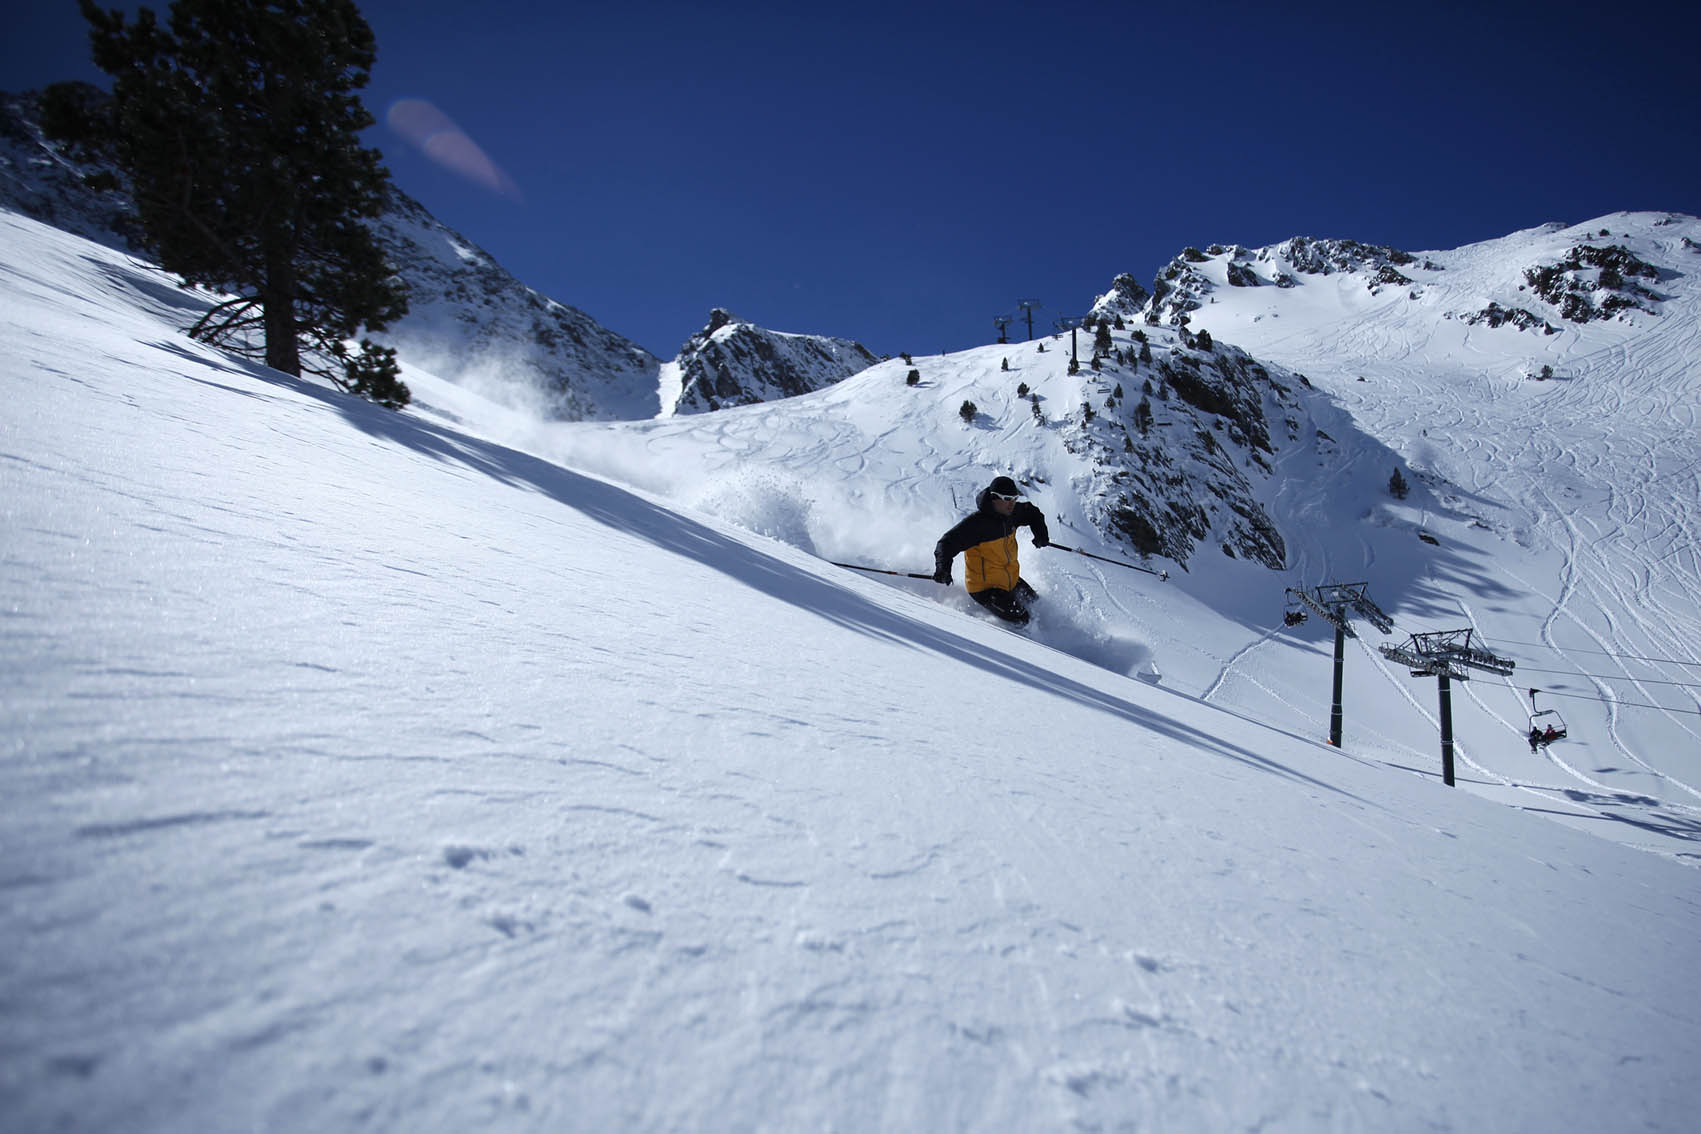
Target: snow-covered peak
[1539, 279]
[731, 362]
[1126, 300]
[1187, 282]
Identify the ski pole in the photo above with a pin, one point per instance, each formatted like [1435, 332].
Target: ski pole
[883, 571]
[1104, 558]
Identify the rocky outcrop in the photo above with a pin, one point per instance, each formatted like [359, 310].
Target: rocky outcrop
[731, 362]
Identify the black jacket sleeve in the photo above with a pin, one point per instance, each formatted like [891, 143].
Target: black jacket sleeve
[1026, 513]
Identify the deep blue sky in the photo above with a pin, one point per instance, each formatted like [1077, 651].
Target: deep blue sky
[902, 173]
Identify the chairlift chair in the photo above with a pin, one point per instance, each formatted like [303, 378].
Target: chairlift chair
[1546, 725]
[1293, 614]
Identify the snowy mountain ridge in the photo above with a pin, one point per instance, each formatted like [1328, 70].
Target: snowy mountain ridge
[732, 362]
[1581, 276]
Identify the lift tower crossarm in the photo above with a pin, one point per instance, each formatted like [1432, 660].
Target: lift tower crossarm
[1448, 652]
[1446, 655]
[1027, 306]
[1332, 602]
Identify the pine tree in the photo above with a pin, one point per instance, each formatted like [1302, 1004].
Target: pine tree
[1397, 485]
[238, 127]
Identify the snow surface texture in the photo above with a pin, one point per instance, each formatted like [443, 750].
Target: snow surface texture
[361, 771]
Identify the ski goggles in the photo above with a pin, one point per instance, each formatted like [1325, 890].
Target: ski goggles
[1003, 496]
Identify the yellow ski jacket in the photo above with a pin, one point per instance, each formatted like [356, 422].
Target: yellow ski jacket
[987, 543]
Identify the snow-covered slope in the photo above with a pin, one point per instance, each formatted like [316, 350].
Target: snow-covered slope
[1165, 448]
[1555, 520]
[360, 771]
[1563, 513]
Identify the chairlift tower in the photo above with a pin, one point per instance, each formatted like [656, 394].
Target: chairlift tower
[1446, 655]
[1027, 306]
[1071, 324]
[1001, 322]
[1334, 603]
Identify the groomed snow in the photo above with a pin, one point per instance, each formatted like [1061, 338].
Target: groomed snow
[361, 771]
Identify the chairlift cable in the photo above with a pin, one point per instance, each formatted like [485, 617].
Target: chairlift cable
[1621, 704]
[1604, 653]
[1611, 677]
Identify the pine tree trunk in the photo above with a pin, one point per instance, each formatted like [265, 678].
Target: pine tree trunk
[277, 296]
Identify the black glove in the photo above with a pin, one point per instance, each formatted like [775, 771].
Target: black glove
[1040, 539]
[942, 575]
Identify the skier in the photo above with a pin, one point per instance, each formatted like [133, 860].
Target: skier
[987, 542]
